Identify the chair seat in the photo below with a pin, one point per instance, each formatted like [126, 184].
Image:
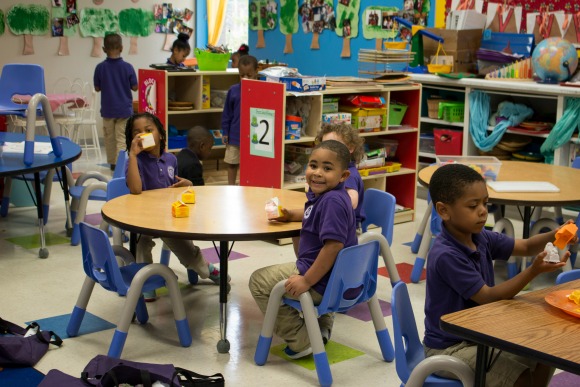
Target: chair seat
[76, 192]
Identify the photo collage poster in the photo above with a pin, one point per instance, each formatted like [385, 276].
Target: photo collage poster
[64, 17]
[171, 20]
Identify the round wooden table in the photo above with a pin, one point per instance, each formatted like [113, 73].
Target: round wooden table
[220, 213]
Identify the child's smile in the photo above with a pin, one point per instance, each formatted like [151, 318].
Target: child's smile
[324, 171]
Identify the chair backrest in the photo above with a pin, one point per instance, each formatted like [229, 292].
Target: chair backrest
[568, 276]
[576, 163]
[353, 278]
[379, 209]
[121, 163]
[99, 261]
[408, 348]
[116, 187]
[20, 78]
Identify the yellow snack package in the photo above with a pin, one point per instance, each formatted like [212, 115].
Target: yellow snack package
[188, 196]
[179, 209]
[147, 140]
[273, 208]
[575, 296]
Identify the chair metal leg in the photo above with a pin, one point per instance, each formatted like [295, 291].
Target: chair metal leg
[265, 339]
[419, 235]
[422, 255]
[388, 258]
[76, 318]
[385, 343]
[6, 196]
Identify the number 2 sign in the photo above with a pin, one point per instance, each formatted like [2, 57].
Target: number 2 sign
[262, 132]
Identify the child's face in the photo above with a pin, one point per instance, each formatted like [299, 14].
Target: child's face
[179, 55]
[337, 137]
[324, 171]
[247, 72]
[468, 214]
[204, 148]
[144, 125]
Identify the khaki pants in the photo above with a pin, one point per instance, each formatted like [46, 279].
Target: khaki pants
[290, 325]
[114, 132]
[188, 254]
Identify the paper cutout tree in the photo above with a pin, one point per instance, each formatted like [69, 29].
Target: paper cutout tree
[288, 22]
[347, 26]
[28, 20]
[379, 23]
[135, 22]
[96, 23]
[317, 16]
[262, 16]
[67, 31]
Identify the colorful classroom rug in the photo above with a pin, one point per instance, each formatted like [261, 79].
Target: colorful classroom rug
[362, 312]
[211, 255]
[33, 241]
[404, 270]
[565, 379]
[336, 353]
[57, 324]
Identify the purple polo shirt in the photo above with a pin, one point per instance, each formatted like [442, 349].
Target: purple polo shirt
[156, 172]
[115, 78]
[454, 274]
[231, 115]
[354, 181]
[326, 217]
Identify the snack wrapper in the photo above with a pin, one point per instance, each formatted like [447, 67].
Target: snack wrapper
[273, 208]
[147, 140]
[575, 297]
[188, 196]
[179, 209]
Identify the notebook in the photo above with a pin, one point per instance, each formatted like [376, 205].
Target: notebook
[522, 186]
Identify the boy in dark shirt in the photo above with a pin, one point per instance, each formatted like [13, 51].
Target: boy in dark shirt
[199, 145]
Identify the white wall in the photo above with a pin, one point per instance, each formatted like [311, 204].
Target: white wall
[80, 64]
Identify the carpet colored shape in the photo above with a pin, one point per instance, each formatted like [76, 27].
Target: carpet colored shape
[408, 244]
[33, 241]
[164, 291]
[20, 377]
[565, 379]
[336, 353]
[404, 270]
[211, 255]
[90, 324]
[94, 219]
[361, 311]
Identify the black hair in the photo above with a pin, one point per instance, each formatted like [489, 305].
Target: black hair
[152, 118]
[113, 41]
[181, 43]
[197, 134]
[342, 152]
[449, 181]
[348, 133]
[248, 60]
[243, 50]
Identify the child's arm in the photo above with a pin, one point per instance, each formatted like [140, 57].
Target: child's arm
[353, 193]
[181, 182]
[133, 177]
[297, 284]
[295, 215]
[536, 244]
[227, 114]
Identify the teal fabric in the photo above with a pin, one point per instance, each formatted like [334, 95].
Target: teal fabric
[479, 106]
[563, 130]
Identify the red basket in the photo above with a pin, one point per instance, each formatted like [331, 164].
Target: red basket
[448, 142]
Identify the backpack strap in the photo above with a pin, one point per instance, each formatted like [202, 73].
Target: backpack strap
[8, 327]
[194, 379]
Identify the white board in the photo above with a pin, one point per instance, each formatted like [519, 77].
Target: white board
[522, 186]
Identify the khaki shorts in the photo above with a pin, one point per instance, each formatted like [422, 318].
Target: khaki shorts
[232, 155]
[506, 369]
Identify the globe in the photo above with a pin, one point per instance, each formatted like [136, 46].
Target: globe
[554, 60]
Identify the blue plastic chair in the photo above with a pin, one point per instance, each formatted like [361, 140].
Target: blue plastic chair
[23, 79]
[568, 276]
[379, 209]
[412, 366]
[355, 268]
[100, 266]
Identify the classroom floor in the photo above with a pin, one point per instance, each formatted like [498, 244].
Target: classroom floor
[45, 290]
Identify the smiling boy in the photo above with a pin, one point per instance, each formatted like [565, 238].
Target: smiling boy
[328, 225]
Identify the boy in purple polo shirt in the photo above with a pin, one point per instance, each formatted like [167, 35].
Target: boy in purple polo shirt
[115, 79]
[460, 272]
[328, 225]
[248, 68]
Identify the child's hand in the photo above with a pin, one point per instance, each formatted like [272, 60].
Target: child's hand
[225, 139]
[296, 285]
[539, 266]
[181, 182]
[285, 216]
[136, 145]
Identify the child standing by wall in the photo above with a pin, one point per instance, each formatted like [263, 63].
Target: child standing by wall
[154, 168]
[199, 145]
[179, 50]
[115, 79]
[248, 68]
[328, 225]
[460, 272]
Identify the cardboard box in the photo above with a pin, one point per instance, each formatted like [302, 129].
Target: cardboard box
[465, 19]
[337, 118]
[303, 83]
[367, 119]
[330, 105]
[461, 44]
[179, 210]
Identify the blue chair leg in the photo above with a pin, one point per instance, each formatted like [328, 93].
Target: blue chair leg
[322, 369]
[381, 330]
[4, 206]
[76, 235]
[183, 332]
[45, 208]
[80, 308]
[263, 347]
[421, 255]
[141, 311]
[117, 344]
[419, 235]
[262, 350]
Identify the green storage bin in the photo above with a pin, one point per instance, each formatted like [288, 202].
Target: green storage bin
[451, 111]
[397, 111]
[209, 61]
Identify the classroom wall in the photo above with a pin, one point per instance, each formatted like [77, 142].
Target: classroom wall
[80, 64]
[326, 60]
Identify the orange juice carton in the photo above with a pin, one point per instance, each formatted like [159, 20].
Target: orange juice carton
[565, 234]
[147, 140]
[273, 208]
[188, 196]
[179, 209]
[552, 256]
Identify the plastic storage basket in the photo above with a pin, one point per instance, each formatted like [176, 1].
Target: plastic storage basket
[451, 111]
[397, 111]
[209, 61]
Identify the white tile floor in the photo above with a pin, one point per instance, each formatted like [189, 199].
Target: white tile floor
[36, 288]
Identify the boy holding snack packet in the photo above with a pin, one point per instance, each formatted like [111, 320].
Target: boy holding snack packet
[328, 225]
